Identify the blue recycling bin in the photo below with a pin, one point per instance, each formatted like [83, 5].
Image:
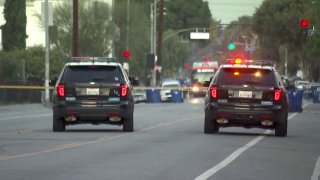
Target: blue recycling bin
[295, 100]
[176, 96]
[153, 95]
[316, 94]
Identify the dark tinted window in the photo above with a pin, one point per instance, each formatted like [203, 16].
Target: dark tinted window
[108, 74]
[251, 76]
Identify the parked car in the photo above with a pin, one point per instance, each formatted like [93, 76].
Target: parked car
[139, 95]
[302, 85]
[166, 87]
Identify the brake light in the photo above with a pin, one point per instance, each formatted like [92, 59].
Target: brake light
[277, 94]
[124, 90]
[60, 90]
[214, 92]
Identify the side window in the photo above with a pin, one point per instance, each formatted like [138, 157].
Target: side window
[278, 79]
[214, 78]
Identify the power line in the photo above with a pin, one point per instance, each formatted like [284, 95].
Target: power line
[234, 4]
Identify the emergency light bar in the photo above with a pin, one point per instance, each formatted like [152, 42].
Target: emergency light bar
[239, 61]
[93, 59]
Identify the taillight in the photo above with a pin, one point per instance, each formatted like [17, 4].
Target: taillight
[60, 90]
[214, 92]
[124, 90]
[277, 94]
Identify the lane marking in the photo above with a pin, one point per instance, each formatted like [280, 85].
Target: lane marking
[99, 140]
[316, 171]
[20, 117]
[224, 163]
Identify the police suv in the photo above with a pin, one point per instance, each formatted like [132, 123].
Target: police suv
[246, 93]
[94, 90]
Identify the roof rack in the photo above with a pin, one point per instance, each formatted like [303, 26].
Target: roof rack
[93, 59]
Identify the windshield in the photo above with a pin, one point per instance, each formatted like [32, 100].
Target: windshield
[201, 76]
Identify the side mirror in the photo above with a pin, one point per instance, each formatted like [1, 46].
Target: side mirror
[53, 82]
[134, 81]
[206, 83]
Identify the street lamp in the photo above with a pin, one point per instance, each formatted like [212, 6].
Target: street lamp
[153, 37]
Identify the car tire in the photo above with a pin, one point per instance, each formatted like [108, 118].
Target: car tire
[58, 124]
[282, 127]
[128, 125]
[210, 126]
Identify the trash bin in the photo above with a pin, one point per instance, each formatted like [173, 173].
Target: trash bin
[316, 94]
[176, 96]
[153, 95]
[295, 100]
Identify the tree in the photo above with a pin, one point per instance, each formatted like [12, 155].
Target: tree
[97, 32]
[139, 34]
[193, 14]
[14, 30]
[175, 54]
[281, 28]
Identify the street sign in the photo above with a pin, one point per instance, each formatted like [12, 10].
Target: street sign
[199, 35]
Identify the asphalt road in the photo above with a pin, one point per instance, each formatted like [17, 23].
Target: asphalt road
[168, 143]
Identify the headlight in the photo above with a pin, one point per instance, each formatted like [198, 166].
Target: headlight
[195, 88]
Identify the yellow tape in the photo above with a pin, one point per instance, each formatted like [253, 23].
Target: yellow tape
[135, 88]
[23, 87]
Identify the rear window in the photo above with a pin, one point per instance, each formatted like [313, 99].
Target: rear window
[251, 76]
[108, 74]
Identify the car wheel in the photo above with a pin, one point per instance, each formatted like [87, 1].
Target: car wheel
[210, 126]
[282, 126]
[58, 124]
[128, 125]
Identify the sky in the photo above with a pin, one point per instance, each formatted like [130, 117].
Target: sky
[230, 10]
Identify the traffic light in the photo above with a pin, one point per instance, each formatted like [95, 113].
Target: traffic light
[304, 23]
[187, 66]
[231, 46]
[127, 54]
[206, 59]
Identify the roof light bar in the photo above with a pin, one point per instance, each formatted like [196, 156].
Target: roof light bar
[240, 61]
[93, 59]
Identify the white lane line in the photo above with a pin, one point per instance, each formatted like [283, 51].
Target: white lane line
[236, 154]
[316, 171]
[23, 117]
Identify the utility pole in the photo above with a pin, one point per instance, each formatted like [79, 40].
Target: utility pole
[47, 90]
[128, 23]
[75, 27]
[159, 42]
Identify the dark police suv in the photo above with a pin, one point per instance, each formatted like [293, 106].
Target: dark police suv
[93, 90]
[246, 93]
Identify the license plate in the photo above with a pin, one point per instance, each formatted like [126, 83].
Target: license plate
[92, 91]
[245, 94]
